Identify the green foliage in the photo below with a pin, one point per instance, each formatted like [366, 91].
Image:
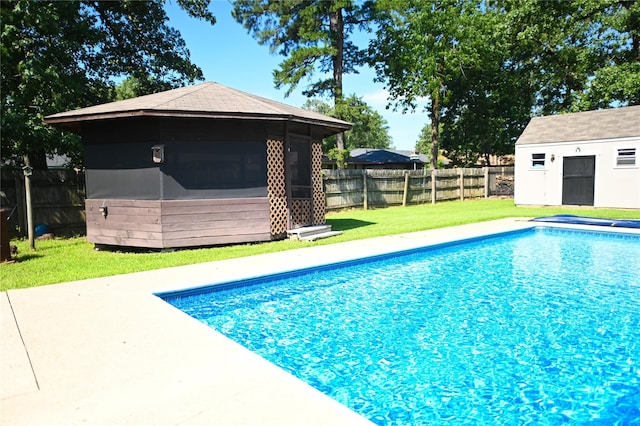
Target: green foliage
[370, 129]
[482, 68]
[340, 156]
[420, 51]
[313, 36]
[62, 55]
[62, 260]
[423, 144]
[578, 55]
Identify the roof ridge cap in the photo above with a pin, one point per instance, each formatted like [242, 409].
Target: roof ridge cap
[188, 90]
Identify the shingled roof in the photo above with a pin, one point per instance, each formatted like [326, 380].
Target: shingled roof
[383, 156]
[583, 126]
[205, 100]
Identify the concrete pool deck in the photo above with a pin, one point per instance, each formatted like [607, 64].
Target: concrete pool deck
[107, 351]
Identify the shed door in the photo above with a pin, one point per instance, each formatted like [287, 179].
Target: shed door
[578, 179]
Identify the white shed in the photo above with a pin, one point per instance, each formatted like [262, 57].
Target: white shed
[585, 158]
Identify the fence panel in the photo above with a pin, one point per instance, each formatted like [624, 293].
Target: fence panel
[385, 187]
[57, 199]
[419, 187]
[501, 181]
[447, 185]
[345, 188]
[473, 183]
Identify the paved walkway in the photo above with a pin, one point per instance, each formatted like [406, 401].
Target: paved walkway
[108, 352]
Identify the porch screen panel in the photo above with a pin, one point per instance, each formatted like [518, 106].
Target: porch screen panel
[121, 170]
[300, 167]
[197, 170]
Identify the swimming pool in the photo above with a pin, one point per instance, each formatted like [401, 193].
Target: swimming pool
[538, 326]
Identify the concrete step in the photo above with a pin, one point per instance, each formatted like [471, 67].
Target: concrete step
[312, 233]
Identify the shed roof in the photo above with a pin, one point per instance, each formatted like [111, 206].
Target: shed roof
[205, 100]
[611, 123]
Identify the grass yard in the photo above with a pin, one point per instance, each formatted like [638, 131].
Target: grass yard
[71, 259]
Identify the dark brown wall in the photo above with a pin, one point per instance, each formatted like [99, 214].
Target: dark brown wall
[175, 223]
[211, 188]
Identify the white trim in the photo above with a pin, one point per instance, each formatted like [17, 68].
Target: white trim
[581, 142]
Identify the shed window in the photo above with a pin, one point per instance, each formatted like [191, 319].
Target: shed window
[538, 160]
[626, 157]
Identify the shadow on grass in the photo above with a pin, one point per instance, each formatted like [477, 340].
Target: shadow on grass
[23, 257]
[346, 224]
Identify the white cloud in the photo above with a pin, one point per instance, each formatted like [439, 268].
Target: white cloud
[378, 99]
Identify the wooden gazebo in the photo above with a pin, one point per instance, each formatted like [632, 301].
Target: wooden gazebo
[200, 165]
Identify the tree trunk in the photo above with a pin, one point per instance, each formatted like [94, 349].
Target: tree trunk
[435, 128]
[36, 158]
[336, 27]
[633, 28]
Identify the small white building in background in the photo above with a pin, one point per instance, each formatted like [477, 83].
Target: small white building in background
[587, 158]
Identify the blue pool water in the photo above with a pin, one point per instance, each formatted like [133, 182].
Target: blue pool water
[534, 327]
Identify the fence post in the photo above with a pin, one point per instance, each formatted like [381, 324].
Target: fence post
[20, 203]
[486, 182]
[365, 202]
[406, 188]
[433, 186]
[461, 177]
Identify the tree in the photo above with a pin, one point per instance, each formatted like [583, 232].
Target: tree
[62, 55]
[579, 55]
[484, 68]
[617, 80]
[419, 50]
[314, 36]
[370, 129]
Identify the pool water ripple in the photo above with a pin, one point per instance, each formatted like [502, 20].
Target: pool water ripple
[540, 327]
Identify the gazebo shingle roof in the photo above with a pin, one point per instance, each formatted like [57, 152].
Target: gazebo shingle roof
[583, 126]
[205, 100]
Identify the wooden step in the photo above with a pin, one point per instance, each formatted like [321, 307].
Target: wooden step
[320, 236]
[312, 233]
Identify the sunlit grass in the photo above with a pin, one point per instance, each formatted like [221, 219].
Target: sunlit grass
[69, 259]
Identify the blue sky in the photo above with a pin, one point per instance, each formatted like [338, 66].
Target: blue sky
[230, 56]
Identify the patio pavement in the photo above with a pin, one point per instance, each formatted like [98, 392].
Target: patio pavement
[108, 352]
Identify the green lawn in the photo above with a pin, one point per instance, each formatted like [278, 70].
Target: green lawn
[70, 259]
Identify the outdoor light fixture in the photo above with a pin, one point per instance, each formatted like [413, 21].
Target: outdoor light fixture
[553, 158]
[158, 153]
[578, 149]
[104, 210]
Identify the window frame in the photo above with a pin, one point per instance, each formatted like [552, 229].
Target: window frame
[538, 161]
[628, 154]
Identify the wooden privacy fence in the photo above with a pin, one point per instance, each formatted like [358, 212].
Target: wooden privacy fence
[380, 188]
[57, 198]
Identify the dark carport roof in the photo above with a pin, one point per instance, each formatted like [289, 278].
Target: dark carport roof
[380, 156]
[205, 100]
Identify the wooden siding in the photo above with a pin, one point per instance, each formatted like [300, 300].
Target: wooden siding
[178, 223]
